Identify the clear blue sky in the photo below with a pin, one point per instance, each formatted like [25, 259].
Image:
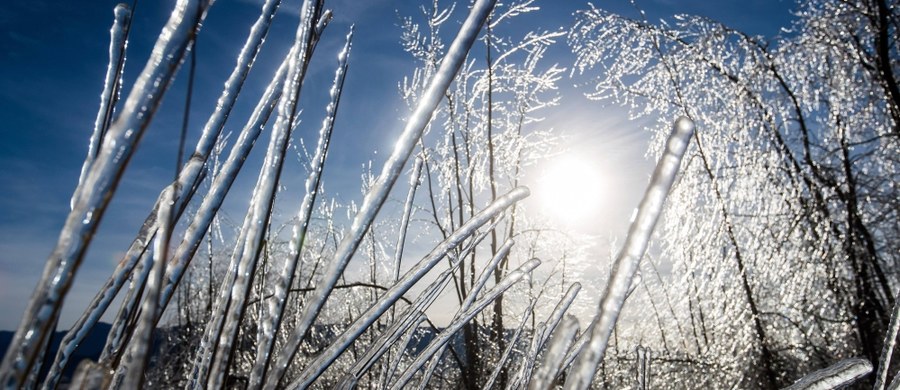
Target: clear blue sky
[53, 56]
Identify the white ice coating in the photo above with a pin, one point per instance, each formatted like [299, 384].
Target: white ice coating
[93, 194]
[554, 355]
[135, 361]
[231, 304]
[401, 349]
[542, 334]
[381, 188]
[838, 375]
[120, 330]
[189, 177]
[628, 260]
[428, 295]
[409, 279]
[887, 349]
[501, 363]
[407, 212]
[111, 84]
[450, 331]
[643, 368]
[271, 319]
[221, 184]
[486, 272]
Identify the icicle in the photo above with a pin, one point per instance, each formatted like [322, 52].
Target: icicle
[840, 374]
[379, 191]
[628, 260]
[451, 329]
[93, 195]
[554, 355]
[111, 85]
[271, 319]
[314, 369]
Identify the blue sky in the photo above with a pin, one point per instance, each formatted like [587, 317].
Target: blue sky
[53, 56]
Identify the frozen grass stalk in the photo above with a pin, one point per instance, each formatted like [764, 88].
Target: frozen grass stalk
[271, 321]
[450, 331]
[838, 375]
[337, 347]
[379, 191]
[555, 354]
[189, 177]
[231, 304]
[628, 260]
[112, 83]
[93, 195]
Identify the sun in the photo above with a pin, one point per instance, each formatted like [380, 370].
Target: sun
[569, 189]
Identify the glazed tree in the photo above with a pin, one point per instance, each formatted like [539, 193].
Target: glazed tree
[782, 231]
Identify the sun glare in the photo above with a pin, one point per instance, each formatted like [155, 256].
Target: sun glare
[569, 190]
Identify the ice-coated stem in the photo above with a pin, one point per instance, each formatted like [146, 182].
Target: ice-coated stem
[318, 366]
[543, 332]
[837, 375]
[121, 328]
[380, 190]
[407, 212]
[118, 42]
[135, 360]
[93, 195]
[231, 306]
[383, 343]
[444, 337]
[887, 349]
[473, 294]
[643, 368]
[509, 346]
[188, 177]
[555, 354]
[271, 321]
[628, 260]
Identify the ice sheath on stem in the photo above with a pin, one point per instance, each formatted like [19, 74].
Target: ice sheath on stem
[112, 83]
[379, 191]
[838, 375]
[214, 355]
[444, 337]
[93, 195]
[628, 260]
[554, 355]
[318, 366]
[271, 322]
[188, 179]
